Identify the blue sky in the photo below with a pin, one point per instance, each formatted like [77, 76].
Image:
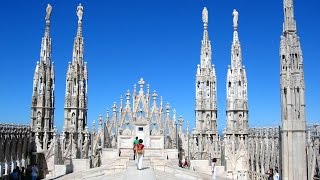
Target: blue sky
[159, 41]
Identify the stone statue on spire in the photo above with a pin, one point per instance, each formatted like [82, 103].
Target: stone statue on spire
[79, 12]
[235, 19]
[48, 12]
[205, 15]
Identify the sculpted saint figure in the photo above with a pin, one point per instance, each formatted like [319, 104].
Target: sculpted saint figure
[79, 12]
[205, 15]
[81, 87]
[38, 118]
[235, 18]
[75, 89]
[48, 11]
[73, 121]
[41, 89]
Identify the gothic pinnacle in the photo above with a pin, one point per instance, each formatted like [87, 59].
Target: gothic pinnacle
[47, 18]
[79, 14]
[289, 21]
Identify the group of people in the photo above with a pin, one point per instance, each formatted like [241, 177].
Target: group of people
[21, 174]
[273, 175]
[138, 152]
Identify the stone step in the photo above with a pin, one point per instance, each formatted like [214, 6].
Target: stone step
[160, 175]
[118, 176]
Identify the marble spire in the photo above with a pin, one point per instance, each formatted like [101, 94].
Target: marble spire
[206, 92]
[237, 109]
[77, 83]
[292, 100]
[42, 107]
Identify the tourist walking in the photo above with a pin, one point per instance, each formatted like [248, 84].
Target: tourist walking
[140, 152]
[23, 173]
[14, 175]
[270, 174]
[276, 175]
[135, 142]
[213, 168]
[186, 164]
[34, 172]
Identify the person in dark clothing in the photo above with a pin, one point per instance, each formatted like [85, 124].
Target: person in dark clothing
[14, 175]
[135, 142]
[23, 173]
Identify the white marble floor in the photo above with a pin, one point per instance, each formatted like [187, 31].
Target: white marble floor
[132, 173]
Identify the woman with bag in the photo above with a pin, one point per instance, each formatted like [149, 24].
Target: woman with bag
[140, 152]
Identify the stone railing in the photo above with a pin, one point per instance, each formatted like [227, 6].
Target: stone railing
[16, 146]
[263, 149]
[257, 176]
[313, 151]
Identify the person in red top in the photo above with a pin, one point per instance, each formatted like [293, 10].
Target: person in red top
[140, 152]
[186, 164]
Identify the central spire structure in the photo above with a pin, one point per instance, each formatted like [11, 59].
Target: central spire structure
[293, 105]
[76, 99]
[206, 133]
[236, 133]
[42, 107]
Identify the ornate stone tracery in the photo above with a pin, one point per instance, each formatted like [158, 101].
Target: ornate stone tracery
[141, 110]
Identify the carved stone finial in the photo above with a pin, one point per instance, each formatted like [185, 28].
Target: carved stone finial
[128, 95]
[48, 12]
[235, 19]
[114, 107]
[79, 12]
[100, 120]
[120, 101]
[198, 69]
[134, 88]
[141, 83]
[168, 107]
[154, 95]
[180, 120]
[187, 127]
[205, 16]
